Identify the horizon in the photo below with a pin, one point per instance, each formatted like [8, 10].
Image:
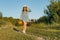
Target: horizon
[13, 8]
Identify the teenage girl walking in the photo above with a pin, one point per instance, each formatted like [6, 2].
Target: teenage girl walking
[24, 17]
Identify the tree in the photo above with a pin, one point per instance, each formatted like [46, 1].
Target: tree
[0, 15]
[43, 19]
[53, 10]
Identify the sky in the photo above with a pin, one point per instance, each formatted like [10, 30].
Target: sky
[13, 8]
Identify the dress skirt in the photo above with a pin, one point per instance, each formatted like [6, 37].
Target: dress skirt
[24, 17]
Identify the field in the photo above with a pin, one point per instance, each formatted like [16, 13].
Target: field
[33, 32]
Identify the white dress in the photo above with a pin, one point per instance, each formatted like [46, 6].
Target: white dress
[25, 16]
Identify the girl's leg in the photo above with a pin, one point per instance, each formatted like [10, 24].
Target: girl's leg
[24, 27]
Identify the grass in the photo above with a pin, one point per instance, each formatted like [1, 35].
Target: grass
[45, 31]
[9, 34]
[49, 32]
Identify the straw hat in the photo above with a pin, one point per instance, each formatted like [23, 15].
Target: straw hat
[25, 6]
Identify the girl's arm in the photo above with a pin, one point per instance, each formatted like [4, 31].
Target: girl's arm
[29, 10]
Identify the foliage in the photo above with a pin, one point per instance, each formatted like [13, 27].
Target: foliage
[53, 11]
[0, 15]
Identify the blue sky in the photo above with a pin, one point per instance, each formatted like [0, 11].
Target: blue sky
[14, 7]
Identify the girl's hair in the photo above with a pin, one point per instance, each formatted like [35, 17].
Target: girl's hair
[24, 7]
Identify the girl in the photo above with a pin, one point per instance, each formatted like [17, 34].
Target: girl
[24, 17]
